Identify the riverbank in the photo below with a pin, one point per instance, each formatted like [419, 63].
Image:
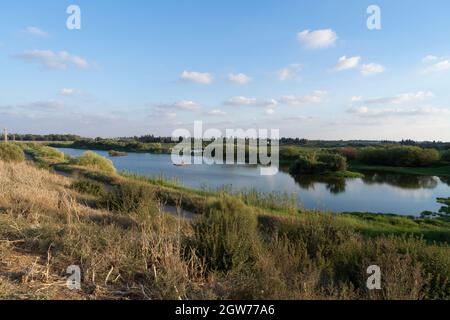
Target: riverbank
[245, 246]
[440, 171]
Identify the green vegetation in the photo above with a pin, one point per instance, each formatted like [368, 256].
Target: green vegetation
[225, 237]
[88, 187]
[113, 153]
[406, 156]
[93, 161]
[130, 197]
[10, 152]
[441, 171]
[42, 154]
[446, 156]
[117, 145]
[318, 163]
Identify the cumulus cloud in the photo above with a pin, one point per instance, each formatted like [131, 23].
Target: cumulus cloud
[317, 39]
[54, 60]
[35, 31]
[313, 98]
[345, 63]
[187, 105]
[245, 101]
[197, 77]
[289, 72]
[239, 78]
[434, 64]
[372, 69]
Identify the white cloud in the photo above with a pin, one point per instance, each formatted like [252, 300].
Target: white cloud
[182, 105]
[163, 112]
[54, 60]
[245, 101]
[34, 31]
[239, 78]
[50, 104]
[410, 97]
[314, 98]
[69, 92]
[317, 39]
[372, 69]
[429, 58]
[398, 112]
[435, 64]
[356, 99]
[289, 72]
[270, 112]
[345, 63]
[187, 105]
[197, 77]
[297, 118]
[217, 112]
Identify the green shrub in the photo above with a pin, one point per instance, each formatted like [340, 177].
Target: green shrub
[350, 153]
[290, 153]
[226, 236]
[48, 152]
[404, 156]
[318, 164]
[446, 156]
[88, 187]
[93, 161]
[130, 197]
[11, 153]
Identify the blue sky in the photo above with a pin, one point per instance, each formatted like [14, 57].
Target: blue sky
[309, 68]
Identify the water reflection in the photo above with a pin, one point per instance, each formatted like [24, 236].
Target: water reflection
[445, 180]
[401, 180]
[333, 185]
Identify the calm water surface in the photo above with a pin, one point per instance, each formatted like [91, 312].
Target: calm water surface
[377, 192]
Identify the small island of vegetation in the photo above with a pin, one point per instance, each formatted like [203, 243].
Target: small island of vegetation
[113, 153]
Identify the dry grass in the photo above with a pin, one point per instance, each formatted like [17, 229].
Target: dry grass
[45, 227]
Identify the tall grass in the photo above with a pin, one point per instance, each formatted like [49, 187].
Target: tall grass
[10, 152]
[226, 236]
[96, 162]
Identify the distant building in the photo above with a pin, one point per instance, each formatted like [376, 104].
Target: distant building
[5, 134]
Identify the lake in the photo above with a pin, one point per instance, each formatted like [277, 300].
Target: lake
[377, 192]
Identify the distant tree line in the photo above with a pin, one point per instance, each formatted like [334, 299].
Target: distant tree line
[48, 137]
[284, 141]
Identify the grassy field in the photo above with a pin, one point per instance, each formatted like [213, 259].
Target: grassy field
[240, 246]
